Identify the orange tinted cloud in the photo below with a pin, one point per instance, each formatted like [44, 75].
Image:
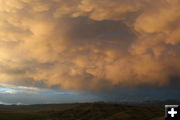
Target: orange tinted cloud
[89, 44]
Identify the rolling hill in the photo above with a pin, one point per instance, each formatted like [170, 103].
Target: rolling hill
[82, 111]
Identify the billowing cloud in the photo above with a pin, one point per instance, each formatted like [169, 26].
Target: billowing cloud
[89, 44]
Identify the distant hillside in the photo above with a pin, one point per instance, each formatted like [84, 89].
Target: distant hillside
[82, 111]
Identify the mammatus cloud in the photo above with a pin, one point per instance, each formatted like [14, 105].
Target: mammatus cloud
[89, 44]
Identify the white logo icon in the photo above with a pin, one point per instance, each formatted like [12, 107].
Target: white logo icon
[172, 112]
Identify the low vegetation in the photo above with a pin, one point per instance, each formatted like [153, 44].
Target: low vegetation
[82, 111]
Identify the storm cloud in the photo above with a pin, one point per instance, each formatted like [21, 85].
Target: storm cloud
[89, 44]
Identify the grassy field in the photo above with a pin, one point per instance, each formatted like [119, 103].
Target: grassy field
[83, 111]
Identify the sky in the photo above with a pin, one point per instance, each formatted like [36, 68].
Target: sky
[56, 51]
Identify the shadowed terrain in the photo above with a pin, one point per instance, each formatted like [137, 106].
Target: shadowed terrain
[82, 111]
